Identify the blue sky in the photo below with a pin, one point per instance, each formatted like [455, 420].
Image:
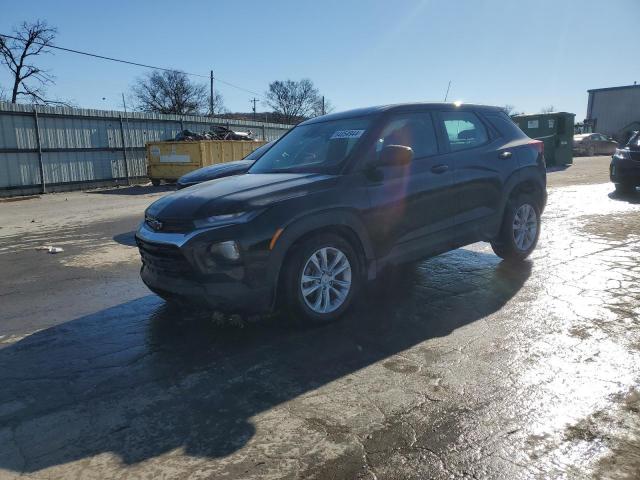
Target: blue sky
[358, 53]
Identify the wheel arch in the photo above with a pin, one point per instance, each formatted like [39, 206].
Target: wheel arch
[528, 181]
[339, 221]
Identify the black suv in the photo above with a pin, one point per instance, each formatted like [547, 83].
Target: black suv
[624, 170]
[341, 197]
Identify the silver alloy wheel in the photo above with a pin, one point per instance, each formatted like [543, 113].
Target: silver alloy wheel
[326, 280]
[525, 227]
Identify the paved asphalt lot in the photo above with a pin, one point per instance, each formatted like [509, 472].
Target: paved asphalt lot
[457, 367]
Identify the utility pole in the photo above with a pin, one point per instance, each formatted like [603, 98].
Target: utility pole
[323, 104]
[254, 100]
[211, 94]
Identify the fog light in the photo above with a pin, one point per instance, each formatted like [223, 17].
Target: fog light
[228, 250]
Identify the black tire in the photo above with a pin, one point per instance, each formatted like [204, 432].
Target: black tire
[291, 297]
[590, 152]
[505, 245]
[625, 188]
[155, 182]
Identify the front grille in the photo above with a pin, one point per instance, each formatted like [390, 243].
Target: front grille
[170, 225]
[167, 259]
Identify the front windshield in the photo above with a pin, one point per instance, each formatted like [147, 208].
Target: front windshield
[634, 141]
[258, 151]
[316, 148]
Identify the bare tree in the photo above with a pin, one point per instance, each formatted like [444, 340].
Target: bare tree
[321, 107]
[31, 40]
[509, 109]
[293, 101]
[548, 109]
[173, 92]
[218, 104]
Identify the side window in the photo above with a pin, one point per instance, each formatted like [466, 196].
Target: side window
[413, 130]
[464, 130]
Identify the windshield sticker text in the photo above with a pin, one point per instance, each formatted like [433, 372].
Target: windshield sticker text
[347, 134]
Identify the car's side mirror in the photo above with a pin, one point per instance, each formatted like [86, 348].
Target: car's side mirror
[395, 156]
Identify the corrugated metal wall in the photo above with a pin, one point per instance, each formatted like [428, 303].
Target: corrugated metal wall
[615, 111]
[81, 145]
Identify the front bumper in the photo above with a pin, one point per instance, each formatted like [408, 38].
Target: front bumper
[169, 269]
[225, 296]
[625, 171]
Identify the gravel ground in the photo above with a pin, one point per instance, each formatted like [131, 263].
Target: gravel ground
[459, 366]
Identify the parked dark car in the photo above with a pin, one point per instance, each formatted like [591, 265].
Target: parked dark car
[624, 170]
[591, 144]
[341, 197]
[219, 170]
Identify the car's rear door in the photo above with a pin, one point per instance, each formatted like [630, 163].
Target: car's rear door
[482, 161]
[411, 207]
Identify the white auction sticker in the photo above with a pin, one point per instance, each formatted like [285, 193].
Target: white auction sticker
[347, 134]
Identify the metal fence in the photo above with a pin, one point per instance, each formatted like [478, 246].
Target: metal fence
[59, 148]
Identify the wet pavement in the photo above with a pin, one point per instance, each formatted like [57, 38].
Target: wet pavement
[460, 366]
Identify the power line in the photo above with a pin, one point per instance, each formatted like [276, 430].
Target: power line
[239, 88]
[103, 57]
[112, 59]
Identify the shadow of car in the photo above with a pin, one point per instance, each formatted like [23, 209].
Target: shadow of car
[141, 379]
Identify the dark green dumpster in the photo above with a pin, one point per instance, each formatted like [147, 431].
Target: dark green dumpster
[555, 130]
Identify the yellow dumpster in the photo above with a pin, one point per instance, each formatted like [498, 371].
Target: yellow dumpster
[168, 161]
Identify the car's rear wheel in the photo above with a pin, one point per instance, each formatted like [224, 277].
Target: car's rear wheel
[590, 151]
[625, 188]
[321, 279]
[155, 182]
[520, 229]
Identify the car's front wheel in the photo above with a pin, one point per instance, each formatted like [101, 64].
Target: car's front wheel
[321, 279]
[520, 229]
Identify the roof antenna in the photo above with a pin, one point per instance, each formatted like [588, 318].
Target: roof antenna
[447, 94]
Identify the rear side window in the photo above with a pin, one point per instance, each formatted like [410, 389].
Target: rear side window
[413, 130]
[464, 130]
[507, 127]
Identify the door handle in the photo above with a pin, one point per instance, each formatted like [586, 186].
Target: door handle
[440, 168]
[505, 155]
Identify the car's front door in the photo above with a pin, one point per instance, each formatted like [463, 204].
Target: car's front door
[598, 144]
[410, 206]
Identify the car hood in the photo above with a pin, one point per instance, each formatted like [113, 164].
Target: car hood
[214, 171]
[237, 194]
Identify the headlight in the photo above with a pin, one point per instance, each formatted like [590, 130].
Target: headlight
[622, 154]
[227, 219]
[209, 258]
[228, 250]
